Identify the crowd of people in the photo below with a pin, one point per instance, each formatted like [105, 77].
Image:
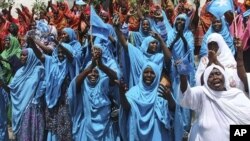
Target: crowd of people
[124, 70]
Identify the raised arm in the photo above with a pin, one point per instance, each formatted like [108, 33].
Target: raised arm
[240, 63]
[183, 83]
[212, 57]
[38, 53]
[111, 73]
[165, 92]
[124, 101]
[184, 40]
[121, 38]
[67, 53]
[83, 75]
[164, 48]
[46, 49]
[177, 37]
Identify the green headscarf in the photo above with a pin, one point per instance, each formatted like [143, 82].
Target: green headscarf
[14, 49]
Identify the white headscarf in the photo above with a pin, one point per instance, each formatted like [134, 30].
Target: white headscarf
[225, 57]
[232, 102]
[224, 54]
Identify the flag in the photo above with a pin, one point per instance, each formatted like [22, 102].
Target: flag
[246, 13]
[98, 27]
[219, 7]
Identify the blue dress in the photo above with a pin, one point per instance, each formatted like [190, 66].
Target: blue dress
[91, 109]
[182, 116]
[139, 56]
[58, 75]
[27, 115]
[149, 117]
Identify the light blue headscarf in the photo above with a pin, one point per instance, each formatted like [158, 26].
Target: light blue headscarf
[108, 60]
[42, 25]
[76, 45]
[55, 73]
[182, 116]
[24, 87]
[178, 50]
[90, 110]
[225, 33]
[163, 27]
[113, 48]
[136, 38]
[144, 121]
[138, 57]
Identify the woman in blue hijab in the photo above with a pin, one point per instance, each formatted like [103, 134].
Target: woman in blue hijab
[180, 41]
[60, 69]
[136, 38]
[144, 115]
[160, 22]
[25, 90]
[69, 37]
[90, 103]
[148, 51]
[219, 25]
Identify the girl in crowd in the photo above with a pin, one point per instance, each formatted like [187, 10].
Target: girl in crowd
[27, 115]
[181, 43]
[90, 104]
[60, 69]
[136, 37]
[148, 51]
[144, 114]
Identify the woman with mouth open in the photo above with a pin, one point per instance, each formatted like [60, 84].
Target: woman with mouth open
[90, 103]
[216, 104]
[144, 114]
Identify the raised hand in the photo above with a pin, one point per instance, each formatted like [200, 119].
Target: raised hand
[122, 86]
[116, 20]
[238, 44]
[98, 56]
[212, 56]
[155, 35]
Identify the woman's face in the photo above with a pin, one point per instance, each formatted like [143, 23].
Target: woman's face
[180, 24]
[148, 76]
[216, 25]
[216, 80]
[61, 55]
[24, 56]
[153, 46]
[213, 46]
[93, 76]
[145, 26]
[65, 37]
[7, 42]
